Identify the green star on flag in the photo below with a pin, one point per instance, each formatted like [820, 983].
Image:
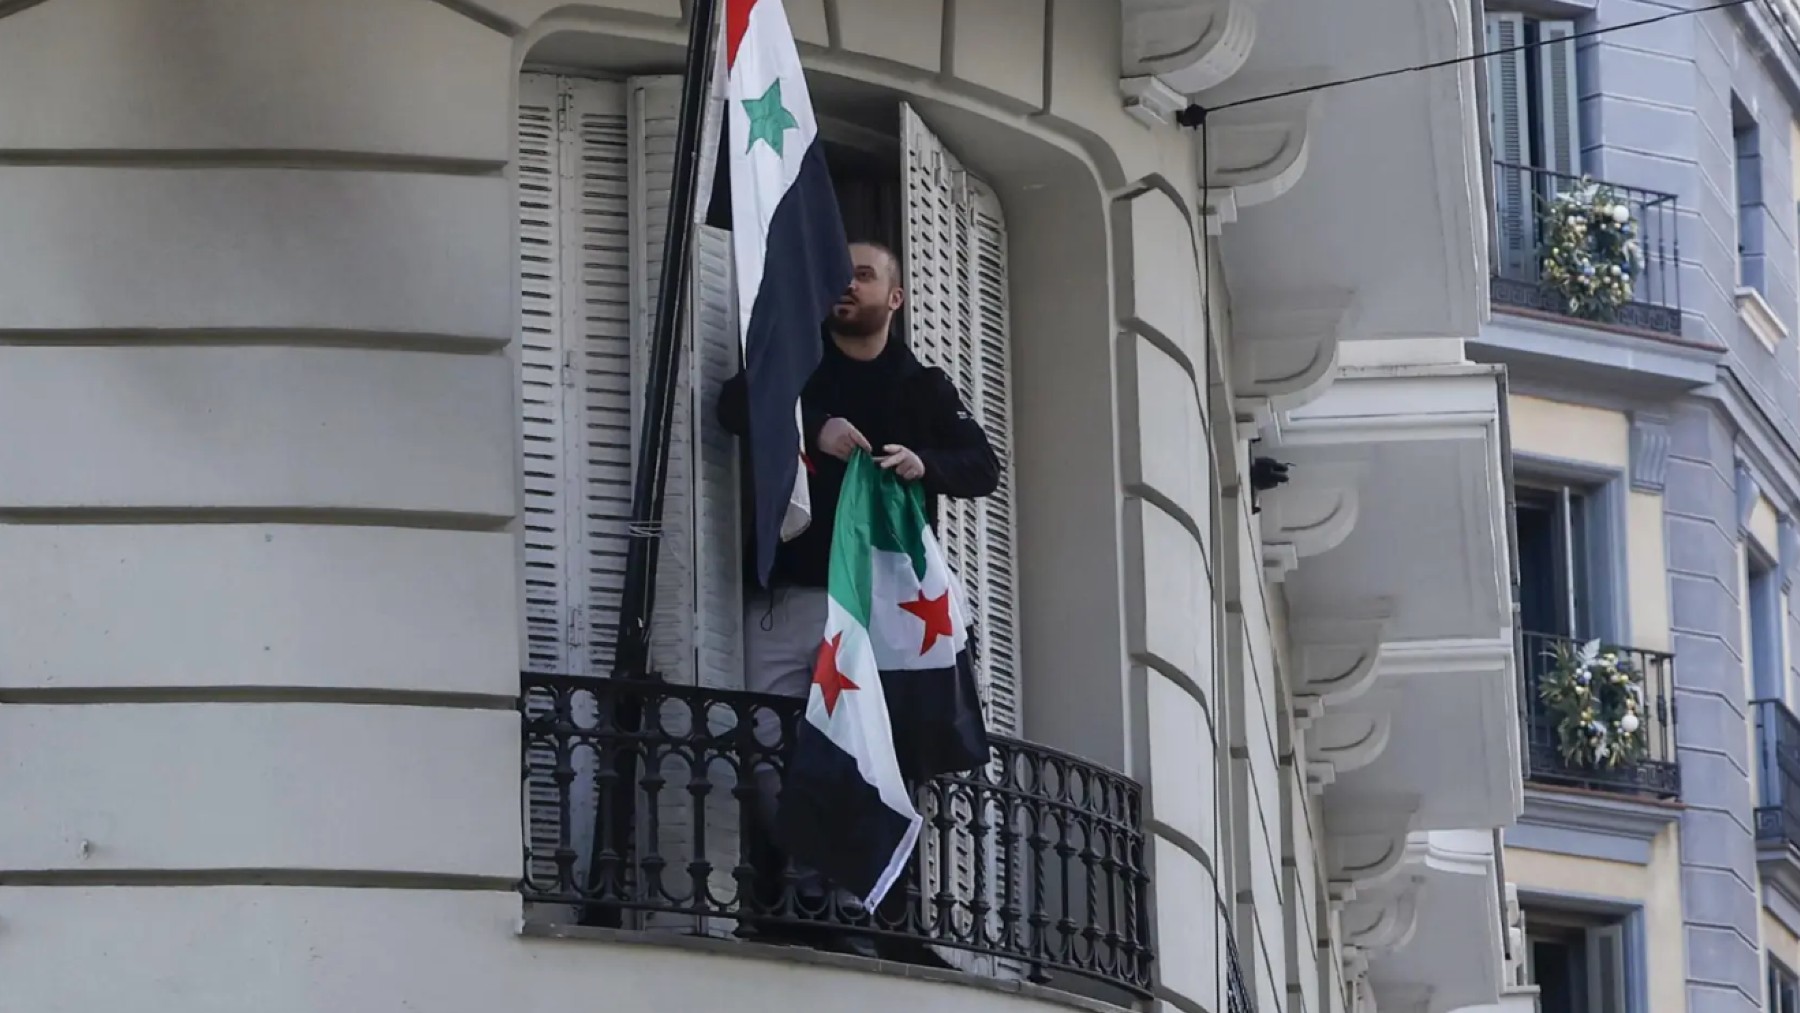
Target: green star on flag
[769, 119]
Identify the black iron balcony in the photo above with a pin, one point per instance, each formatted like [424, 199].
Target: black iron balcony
[1778, 752]
[1237, 991]
[1524, 199]
[646, 809]
[1651, 772]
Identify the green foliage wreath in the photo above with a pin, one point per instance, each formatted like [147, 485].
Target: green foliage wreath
[1597, 698]
[1590, 253]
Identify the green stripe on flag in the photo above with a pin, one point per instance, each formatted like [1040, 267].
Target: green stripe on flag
[890, 510]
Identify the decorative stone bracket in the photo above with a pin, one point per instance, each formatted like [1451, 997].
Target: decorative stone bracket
[1187, 46]
[1284, 350]
[1312, 513]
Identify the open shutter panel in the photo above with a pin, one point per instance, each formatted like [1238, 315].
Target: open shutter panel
[990, 388]
[547, 595]
[570, 199]
[1509, 114]
[955, 261]
[713, 312]
[546, 576]
[597, 249]
[655, 108]
[1559, 128]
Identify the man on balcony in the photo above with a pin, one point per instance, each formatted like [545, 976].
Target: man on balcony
[869, 393]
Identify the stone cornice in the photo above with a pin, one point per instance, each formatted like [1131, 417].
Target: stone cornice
[1568, 816]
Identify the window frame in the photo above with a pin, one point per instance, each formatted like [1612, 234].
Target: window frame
[1605, 560]
[1588, 918]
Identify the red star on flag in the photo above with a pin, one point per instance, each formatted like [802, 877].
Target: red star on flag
[826, 676]
[935, 614]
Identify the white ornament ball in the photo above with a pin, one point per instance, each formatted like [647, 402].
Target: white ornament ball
[1620, 214]
[1629, 723]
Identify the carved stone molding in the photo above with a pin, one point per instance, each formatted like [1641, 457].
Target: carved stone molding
[1312, 514]
[1191, 45]
[1254, 154]
[1338, 743]
[1284, 349]
[1649, 452]
[1366, 844]
[1790, 552]
[1150, 101]
[1333, 656]
[1385, 921]
[1748, 489]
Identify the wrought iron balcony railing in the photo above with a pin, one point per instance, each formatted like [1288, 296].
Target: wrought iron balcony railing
[1655, 774]
[1778, 753]
[1523, 195]
[647, 808]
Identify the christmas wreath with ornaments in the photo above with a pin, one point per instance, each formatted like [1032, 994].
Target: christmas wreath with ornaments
[1590, 253]
[1596, 697]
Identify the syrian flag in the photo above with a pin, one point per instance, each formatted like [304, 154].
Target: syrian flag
[792, 260]
[893, 696]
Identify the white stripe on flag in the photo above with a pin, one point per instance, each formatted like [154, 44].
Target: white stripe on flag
[859, 725]
[760, 177]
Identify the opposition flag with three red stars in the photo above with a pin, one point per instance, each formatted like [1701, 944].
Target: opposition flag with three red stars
[893, 698]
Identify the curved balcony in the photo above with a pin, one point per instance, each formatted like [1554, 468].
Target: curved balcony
[643, 813]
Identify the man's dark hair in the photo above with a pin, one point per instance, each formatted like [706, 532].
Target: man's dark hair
[893, 259]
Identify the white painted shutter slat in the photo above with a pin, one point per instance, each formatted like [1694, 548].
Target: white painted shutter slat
[546, 470]
[955, 265]
[596, 239]
[1559, 128]
[990, 388]
[718, 635]
[655, 108]
[569, 173]
[1509, 116]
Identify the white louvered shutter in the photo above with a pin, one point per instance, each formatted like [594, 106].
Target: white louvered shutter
[655, 108]
[719, 607]
[955, 261]
[547, 594]
[989, 390]
[1509, 114]
[956, 281]
[1559, 126]
[597, 253]
[573, 362]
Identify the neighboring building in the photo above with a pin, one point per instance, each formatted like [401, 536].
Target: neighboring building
[321, 328]
[1656, 456]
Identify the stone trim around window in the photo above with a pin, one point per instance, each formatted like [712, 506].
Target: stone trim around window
[1759, 316]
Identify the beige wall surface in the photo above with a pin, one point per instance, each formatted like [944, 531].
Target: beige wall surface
[1601, 437]
[1656, 887]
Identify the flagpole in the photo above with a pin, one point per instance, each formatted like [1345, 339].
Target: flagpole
[616, 815]
[631, 659]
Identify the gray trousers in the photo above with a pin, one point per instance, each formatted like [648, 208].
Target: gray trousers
[783, 628]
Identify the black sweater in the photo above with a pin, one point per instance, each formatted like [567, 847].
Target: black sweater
[891, 399]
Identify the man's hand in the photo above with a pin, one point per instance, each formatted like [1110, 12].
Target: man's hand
[901, 460]
[840, 439]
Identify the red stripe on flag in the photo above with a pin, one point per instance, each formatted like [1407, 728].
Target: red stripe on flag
[737, 22]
